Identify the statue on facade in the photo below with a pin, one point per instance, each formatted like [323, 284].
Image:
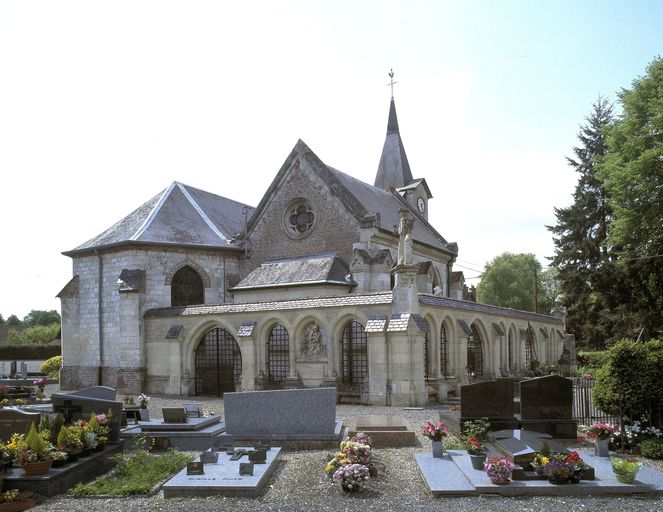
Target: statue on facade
[313, 347]
[404, 230]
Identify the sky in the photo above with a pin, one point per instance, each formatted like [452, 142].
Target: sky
[104, 104]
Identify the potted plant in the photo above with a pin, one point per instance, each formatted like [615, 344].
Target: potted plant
[351, 477]
[498, 469]
[558, 472]
[600, 433]
[16, 501]
[98, 425]
[436, 432]
[41, 386]
[143, 400]
[625, 468]
[36, 456]
[59, 458]
[539, 462]
[69, 441]
[476, 451]
[578, 467]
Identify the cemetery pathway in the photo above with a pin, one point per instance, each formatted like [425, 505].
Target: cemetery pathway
[300, 485]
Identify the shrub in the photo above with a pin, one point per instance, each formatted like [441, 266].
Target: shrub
[476, 428]
[592, 360]
[52, 366]
[652, 448]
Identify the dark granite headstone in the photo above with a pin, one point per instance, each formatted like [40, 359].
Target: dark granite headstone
[546, 398]
[174, 414]
[74, 407]
[14, 421]
[490, 399]
[193, 410]
[209, 457]
[99, 392]
[258, 456]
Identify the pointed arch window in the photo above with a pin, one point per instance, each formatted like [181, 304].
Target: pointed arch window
[475, 353]
[278, 354]
[354, 355]
[186, 288]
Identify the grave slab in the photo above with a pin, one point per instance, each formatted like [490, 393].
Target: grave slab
[191, 425]
[59, 480]
[443, 480]
[223, 478]
[199, 439]
[385, 431]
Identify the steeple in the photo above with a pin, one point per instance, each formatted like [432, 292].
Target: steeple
[394, 169]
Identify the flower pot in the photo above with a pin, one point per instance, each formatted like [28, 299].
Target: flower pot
[100, 447]
[577, 476]
[17, 506]
[625, 472]
[438, 449]
[478, 460]
[558, 480]
[37, 468]
[601, 448]
[499, 481]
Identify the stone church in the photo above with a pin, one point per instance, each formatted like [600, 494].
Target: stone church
[329, 281]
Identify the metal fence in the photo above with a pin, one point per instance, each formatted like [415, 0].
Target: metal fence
[584, 410]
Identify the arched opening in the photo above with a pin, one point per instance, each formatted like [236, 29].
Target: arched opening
[444, 352]
[218, 363]
[510, 343]
[186, 288]
[475, 353]
[354, 355]
[530, 347]
[278, 354]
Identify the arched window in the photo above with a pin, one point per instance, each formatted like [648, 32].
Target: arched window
[186, 288]
[474, 353]
[510, 349]
[443, 351]
[278, 354]
[354, 355]
[530, 348]
[218, 363]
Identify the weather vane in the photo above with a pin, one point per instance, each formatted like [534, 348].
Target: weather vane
[391, 83]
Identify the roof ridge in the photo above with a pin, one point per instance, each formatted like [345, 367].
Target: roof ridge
[201, 212]
[148, 220]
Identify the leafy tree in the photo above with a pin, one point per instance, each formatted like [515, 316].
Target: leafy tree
[39, 317]
[2, 320]
[38, 335]
[591, 283]
[632, 174]
[509, 280]
[14, 320]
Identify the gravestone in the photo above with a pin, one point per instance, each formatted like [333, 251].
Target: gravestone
[174, 414]
[546, 405]
[75, 406]
[24, 370]
[193, 410]
[192, 434]
[98, 392]
[492, 400]
[302, 417]
[15, 421]
[384, 431]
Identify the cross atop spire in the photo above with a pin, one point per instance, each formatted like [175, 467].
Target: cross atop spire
[394, 169]
[391, 82]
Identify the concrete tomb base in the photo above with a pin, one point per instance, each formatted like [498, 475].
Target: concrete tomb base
[197, 434]
[293, 441]
[223, 478]
[385, 431]
[453, 475]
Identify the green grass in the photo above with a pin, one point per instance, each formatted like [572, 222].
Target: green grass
[136, 474]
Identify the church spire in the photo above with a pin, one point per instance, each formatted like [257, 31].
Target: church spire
[394, 169]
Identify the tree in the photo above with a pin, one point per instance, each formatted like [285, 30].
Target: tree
[2, 320]
[38, 335]
[511, 280]
[632, 174]
[39, 317]
[14, 320]
[591, 284]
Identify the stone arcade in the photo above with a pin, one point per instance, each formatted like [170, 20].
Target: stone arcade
[329, 281]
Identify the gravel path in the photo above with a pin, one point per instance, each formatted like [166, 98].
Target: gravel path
[299, 483]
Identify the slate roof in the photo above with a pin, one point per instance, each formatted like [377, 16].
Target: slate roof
[180, 215]
[436, 300]
[394, 168]
[377, 323]
[381, 298]
[327, 268]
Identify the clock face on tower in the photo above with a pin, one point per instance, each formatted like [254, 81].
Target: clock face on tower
[421, 205]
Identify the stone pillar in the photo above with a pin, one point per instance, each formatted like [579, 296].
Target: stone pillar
[249, 371]
[378, 372]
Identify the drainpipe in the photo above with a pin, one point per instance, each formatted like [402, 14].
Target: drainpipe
[100, 317]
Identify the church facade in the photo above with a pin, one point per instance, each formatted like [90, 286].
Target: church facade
[329, 281]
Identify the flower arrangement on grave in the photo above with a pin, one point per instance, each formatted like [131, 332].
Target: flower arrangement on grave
[14, 497]
[352, 476]
[498, 469]
[574, 460]
[625, 468]
[474, 446]
[601, 431]
[436, 431]
[87, 437]
[15, 444]
[130, 400]
[69, 440]
[98, 425]
[143, 400]
[35, 449]
[41, 386]
[558, 471]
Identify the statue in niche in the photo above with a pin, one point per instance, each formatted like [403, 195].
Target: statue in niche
[404, 231]
[312, 346]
